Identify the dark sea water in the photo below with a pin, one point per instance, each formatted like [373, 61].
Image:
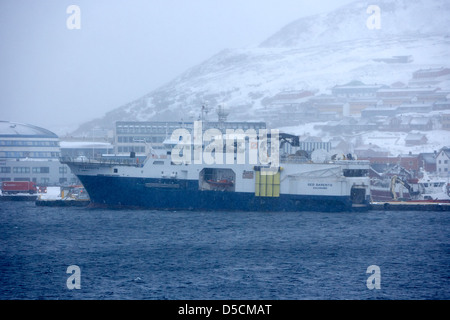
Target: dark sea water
[138, 254]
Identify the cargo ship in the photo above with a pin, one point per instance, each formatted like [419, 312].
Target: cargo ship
[185, 178]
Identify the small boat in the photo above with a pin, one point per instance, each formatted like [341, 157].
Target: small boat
[72, 196]
[434, 188]
[221, 183]
[388, 187]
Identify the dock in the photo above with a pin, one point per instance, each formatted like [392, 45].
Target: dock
[411, 205]
[25, 197]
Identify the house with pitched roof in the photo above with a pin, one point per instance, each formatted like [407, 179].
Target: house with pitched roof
[415, 139]
[443, 162]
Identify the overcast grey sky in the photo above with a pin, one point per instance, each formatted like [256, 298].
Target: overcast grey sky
[53, 76]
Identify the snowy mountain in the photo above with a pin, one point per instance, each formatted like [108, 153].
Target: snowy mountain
[313, 53]
[405, 18]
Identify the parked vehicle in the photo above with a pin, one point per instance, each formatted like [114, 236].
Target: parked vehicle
[14, 187]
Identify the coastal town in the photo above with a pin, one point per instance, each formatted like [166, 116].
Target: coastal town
[401, 129]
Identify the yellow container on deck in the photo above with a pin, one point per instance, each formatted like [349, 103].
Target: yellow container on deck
[267, 184]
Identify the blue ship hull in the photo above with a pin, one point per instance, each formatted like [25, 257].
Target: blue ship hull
[175, 194]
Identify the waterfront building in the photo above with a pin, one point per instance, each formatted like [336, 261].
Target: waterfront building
[31, 153]
[139, 137]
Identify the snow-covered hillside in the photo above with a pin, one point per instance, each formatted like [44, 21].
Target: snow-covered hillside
[404, 18]
[313, 53]
[389, 142]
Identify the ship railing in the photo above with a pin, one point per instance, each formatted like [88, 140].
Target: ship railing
[101, 161]
[303, 159]
[293, 159]
[352, 162]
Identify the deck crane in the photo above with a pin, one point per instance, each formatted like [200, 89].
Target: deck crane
[394, 180]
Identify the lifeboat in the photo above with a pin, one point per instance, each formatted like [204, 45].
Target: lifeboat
[221, 183]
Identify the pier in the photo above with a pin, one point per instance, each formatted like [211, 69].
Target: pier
[417, 205]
